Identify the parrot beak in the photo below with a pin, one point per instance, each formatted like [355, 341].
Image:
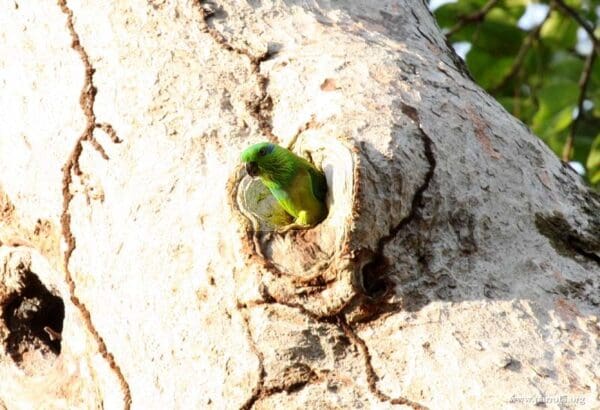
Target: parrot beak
[252, 168]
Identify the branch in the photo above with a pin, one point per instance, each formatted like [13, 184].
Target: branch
[583, 84]
[469, 18]
[585, 74]
[586, 25]
[522, 53]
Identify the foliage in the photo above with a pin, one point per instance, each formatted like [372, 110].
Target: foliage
[543, 73]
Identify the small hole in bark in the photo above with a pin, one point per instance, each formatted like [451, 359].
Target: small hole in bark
[34, 318]
[374, 280]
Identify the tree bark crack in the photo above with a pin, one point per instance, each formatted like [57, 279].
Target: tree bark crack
[372, 377]
[339, 320]
[261, 390]
[258, 390]
[374, 274]
[262, 105]
[70, 168]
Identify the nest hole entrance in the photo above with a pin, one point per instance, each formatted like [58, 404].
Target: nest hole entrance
[258, 201]
[34, 317]
[374, 279]
[302, 253]
[262, 205]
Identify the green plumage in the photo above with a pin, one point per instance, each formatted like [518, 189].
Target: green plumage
[299, 187]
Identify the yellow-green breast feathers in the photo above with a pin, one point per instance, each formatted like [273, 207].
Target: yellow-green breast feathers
[299, 187]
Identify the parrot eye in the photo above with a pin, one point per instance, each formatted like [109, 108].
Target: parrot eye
[262, 152]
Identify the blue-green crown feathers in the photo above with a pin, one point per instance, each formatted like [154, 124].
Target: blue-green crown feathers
[256, 151]
[275, 164]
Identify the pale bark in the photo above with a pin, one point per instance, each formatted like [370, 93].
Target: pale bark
[458, 267]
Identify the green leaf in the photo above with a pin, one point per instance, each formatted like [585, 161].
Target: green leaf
[499, 37]
[593, 162]
[593, 94]
[560, 121]
[581, 149]
[505, 15]
[522, 108]
[560, 31]
[488, 69]
[449, 14]
[595, 76]
[556, 104]
[516, 3]
[573, 3]
[536, 65]
[565, 66]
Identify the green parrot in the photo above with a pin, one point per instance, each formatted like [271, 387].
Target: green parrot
[298, 186]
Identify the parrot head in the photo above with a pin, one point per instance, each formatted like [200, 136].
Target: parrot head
[262, 159]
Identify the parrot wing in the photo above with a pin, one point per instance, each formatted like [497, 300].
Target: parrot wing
[318, 184]
[285, 200]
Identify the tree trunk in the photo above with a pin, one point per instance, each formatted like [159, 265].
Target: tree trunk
[458, 266]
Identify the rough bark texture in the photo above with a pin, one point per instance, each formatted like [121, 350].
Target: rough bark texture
[459, 265]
